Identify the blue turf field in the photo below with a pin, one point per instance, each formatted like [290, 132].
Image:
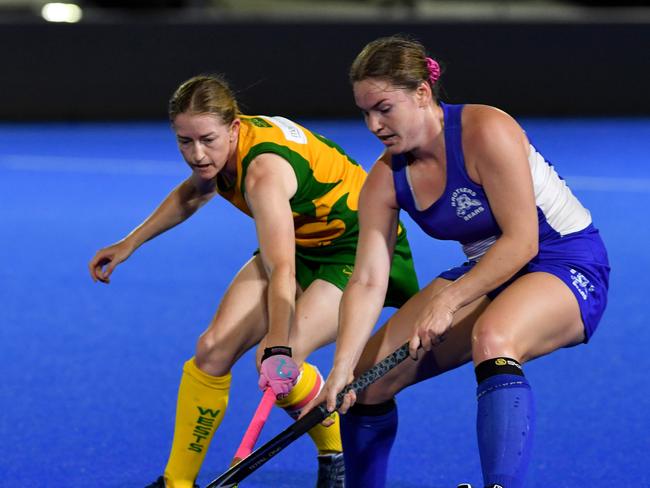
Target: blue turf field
[89, 372]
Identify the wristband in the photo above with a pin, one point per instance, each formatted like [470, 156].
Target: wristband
[275, 350]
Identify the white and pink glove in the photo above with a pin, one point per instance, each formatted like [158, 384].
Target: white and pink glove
[278, 371]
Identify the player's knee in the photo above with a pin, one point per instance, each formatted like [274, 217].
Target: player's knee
[492, 338]
[210, 357]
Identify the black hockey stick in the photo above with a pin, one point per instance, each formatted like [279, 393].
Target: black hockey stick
[261, 455]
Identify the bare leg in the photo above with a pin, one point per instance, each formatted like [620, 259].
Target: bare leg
[369, 428]
[534, 316]
[239, 323]
[453, 352]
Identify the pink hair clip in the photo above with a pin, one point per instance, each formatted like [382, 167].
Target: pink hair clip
[434, 70]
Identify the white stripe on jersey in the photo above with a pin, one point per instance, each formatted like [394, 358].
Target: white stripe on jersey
[290, 130]
[562, 210]
[476, 249]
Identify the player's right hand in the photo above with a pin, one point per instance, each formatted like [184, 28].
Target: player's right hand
[105, 260]
[338, 379]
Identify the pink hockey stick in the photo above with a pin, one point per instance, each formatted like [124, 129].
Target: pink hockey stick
[255, 427]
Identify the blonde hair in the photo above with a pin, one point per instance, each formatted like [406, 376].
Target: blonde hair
[400, 60]
[204, 94]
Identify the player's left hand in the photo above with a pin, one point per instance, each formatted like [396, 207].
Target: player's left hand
[431, 325]
[278, 371]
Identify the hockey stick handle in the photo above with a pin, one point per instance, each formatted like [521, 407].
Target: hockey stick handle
[374, 373]
[261, 455]
[255, 427]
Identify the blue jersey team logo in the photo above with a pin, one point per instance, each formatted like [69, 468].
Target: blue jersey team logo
[466, 204]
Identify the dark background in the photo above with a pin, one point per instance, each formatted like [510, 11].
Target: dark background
[90, 373]
[123, 65]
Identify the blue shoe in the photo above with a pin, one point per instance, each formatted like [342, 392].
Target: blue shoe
[331, 471]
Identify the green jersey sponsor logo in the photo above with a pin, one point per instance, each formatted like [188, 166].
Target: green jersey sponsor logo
[259, 122]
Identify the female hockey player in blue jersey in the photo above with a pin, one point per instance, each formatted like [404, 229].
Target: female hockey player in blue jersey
[535, 277]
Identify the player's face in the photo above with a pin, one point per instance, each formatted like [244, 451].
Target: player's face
[390, 112]
[205, 142]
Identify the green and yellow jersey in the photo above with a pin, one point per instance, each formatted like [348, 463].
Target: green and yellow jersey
[325, 204]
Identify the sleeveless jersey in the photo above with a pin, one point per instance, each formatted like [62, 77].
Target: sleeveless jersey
[463, 212]
[325, 204]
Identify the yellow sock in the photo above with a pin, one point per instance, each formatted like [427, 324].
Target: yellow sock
[202, 401]
[310, 382]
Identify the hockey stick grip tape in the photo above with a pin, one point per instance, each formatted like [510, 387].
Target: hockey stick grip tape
[257, 423]
[374, 373]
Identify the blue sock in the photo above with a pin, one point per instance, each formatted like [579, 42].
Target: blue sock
[368, 432]
[505, 422]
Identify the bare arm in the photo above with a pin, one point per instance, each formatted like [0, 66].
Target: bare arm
[270, 184]
[363, 298]
[178, 206]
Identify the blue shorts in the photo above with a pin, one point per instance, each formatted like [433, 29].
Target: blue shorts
[579, 260]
